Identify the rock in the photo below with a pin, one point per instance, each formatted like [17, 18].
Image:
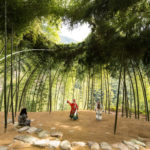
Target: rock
[131, 145]
[26, 138]
[90, 143]
[56, 134]
[78, 144]
[23, 129]
[3, 148]
[43, 134]
[138, 143]
[47, 143]
[65, 145]
[41, 143]
[54, 144]
[141, 139]
[120, 146]
[32, 120]
[32, 130]
[105, 146]
[95, 146]
[38, 130]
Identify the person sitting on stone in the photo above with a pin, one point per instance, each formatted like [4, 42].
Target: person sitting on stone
[22, 118]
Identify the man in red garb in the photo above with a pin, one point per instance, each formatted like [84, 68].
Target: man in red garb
[74, 108]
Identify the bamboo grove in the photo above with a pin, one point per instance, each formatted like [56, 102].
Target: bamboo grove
[111, 65]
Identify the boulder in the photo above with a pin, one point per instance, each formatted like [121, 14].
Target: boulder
[81, 144]
[56, 134]
[65, 145]
[3, 148]
[95, 146]
[31, 130]
[120, 146]
[131, 145]
[26, 138]
[105, 146]
[138, 142]
[43, 134]
[23, 129]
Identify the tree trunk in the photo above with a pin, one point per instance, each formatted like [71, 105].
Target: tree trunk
[102, 85]
[12, 105]
[133, 94]
[88, 103]
[116, 116]
[137, 93]
[144, 93]
[106, 93]
[5, 69]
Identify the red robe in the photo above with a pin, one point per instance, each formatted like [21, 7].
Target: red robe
[74, 107]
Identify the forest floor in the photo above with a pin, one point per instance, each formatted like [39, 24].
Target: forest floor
[85, 129]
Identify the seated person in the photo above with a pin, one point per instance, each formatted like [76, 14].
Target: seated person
[22, 119]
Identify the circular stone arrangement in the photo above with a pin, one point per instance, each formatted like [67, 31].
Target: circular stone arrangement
[53, 139]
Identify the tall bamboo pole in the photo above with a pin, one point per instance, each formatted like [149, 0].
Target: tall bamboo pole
[12, 107]
[117, 104]
[5, 68]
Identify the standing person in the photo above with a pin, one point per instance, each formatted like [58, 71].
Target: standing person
[74, 109]
[22, 118]
[98, 111]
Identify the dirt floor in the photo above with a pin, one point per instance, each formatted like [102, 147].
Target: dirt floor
[87, 128]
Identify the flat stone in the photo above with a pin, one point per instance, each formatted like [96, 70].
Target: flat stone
[3, 148]
[32, 130]
[95, 146]
[138, 142]
[105, 146]
[56, 134]
[23, 129]
[65, 145]
[90, 143]
[38, 130]
[41, 143]
[78, 144]
[141, 139]
[54, 144]
[131, 145]
[26, 138]
[43, 134]
[120, 146]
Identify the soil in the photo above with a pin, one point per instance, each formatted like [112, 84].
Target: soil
[86, 128]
